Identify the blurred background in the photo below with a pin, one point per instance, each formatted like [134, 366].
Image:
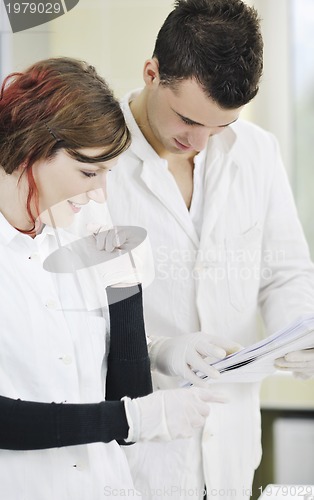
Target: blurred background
[117, 36]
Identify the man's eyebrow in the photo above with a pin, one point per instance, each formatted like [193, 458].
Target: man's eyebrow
[192, 122]
[185, 118]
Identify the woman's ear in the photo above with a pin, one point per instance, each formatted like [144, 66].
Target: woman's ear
[21, 168]
[151, 72]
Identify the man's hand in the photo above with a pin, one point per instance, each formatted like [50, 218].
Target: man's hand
[187, 354]
[301, 363]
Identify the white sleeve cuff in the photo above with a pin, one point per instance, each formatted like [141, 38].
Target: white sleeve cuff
[133, 417]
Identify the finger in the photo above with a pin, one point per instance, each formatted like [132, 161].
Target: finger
[201, 408]
[206, 346]
[100, 238]
[303, 355]
[211, 396]
[197, 381]
[107, 240]
[197, 363]
[208, 349]
[229, 346]
[233, 347]
[121, 237]
[114, 239]
[292, 365]
[284, 368]
[197, 420]
[281, 363]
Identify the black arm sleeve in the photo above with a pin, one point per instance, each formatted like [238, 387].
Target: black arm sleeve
[128, 371]
[31, 426]
[28, 425]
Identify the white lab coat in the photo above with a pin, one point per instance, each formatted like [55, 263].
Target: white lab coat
[251, 254]
[52, 349]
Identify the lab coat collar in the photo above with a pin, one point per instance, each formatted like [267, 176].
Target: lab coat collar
[163, 186]
[225, 140]
[155, 173]
[140, 147]
[7, 232]
[11, 237]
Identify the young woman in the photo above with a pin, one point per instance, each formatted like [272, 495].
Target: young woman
[61, 130]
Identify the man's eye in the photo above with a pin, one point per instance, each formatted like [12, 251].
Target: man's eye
[188, 122]
[89, 174]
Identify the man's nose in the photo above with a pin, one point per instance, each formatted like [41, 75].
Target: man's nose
[198, 138]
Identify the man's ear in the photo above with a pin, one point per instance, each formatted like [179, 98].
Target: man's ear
[151, 72]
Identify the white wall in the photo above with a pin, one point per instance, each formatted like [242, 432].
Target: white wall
[117, 36]
[272, 106]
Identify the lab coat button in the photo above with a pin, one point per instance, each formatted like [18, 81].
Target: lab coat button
[80, 466]
[66, 358]
[35, 257]
[52, 304]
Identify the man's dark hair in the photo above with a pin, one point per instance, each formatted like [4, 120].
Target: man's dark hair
[217, 42]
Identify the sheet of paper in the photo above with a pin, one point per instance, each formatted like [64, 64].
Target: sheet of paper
[255, 362]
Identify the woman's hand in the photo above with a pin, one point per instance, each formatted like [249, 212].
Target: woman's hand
[168, 414]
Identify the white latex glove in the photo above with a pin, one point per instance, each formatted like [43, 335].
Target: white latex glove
[130, 259]
[168, 414]
[301, 363]
[184, 355]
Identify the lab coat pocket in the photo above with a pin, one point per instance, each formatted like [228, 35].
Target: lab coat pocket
[243, 258]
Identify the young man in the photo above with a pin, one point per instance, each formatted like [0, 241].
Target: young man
[213, 195]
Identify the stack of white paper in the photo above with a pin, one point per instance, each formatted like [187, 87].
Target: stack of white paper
[257, 361]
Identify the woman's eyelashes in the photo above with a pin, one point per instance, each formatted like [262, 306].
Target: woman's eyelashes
[89, 174]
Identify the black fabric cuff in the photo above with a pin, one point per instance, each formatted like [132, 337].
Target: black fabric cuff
[127, 328]
[128, 372]
[28, 425]
[128, 378]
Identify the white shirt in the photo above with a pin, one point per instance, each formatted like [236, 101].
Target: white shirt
[52, 349]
